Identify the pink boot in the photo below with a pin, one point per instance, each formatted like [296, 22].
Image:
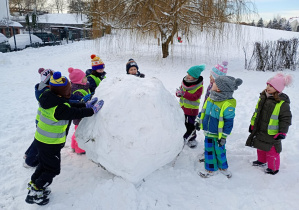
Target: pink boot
[74, 144]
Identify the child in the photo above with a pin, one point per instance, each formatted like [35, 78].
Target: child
[217, 117]
[218, 70]
[132, 68]
[56, 114]
[96, 74]
[190, 92]
[80, 87]
[30, 157]
[270, 123]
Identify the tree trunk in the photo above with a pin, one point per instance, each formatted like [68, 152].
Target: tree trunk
[165, 49]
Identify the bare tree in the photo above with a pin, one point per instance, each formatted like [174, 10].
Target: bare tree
[78, 7]
[27, 6]
[59, 5]
[167, 17]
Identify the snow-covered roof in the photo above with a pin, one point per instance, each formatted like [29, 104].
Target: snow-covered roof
[15, 24]
[59, 18]
[3, 22]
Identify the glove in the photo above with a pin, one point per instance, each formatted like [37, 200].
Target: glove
[221, 142]
[250, 128]
[280, 136]
[141, 75]
[197, 124]
[179, 92]
[86, 98]
[90, 103]
[98, 106]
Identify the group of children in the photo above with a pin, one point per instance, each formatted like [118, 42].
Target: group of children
[269, 124]
[61, 101]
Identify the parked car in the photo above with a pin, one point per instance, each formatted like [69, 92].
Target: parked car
[4, 44]
[23, 41]
[47, 38]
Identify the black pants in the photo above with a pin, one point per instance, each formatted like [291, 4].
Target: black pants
[189, 123]
[49, 163]
[32, 155]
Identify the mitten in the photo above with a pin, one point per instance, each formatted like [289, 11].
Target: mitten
[141, 75]
[90, 103]
[250, 128]
[86, 98]
[197, 124]
[180, 92]
[98, 106]
[280, 136]
[221, 142]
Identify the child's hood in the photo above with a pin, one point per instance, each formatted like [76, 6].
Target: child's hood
[49, 100]
[285, 97]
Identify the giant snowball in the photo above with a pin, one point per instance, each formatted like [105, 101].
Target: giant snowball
[138, 130]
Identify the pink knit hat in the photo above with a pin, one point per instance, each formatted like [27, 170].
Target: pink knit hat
[279, 81]
[76, 75]
[219, 69]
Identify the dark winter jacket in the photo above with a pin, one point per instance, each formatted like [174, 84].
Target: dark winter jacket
[92, 83]
[79, 94]
[259, 137]
[63, 112]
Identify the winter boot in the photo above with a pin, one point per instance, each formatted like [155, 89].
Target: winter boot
[207, 174]
[37, 196]
[270, 171]
[226, 172]
[47, 190]
[192, 144]
[258, 163]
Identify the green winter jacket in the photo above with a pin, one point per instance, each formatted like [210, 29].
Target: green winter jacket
[259, 137]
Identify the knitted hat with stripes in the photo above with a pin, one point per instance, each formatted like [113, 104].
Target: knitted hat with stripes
[60, 85]
[219, 70]
[96, 62]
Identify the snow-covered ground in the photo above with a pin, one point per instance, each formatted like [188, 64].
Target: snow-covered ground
[84, 185]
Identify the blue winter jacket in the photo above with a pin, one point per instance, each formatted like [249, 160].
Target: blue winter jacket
[211, 119]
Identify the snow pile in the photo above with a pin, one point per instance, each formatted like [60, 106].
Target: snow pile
[128, 135]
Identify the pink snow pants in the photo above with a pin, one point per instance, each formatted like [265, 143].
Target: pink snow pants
[74, 143]
[271, 157]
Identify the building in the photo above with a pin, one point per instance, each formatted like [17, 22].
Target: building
[62, 25]
[7, 26]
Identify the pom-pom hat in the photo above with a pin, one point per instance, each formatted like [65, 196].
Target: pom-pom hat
[96, 62]
[195, 71]
[58, 80]
[76, 75]
[60, 85]
[45, 75]
[130, 64]
[219, 69]
[280, 81]
[227, 83]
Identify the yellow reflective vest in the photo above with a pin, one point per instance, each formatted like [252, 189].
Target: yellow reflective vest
[50, 130]
[273, 126]
[187, 103]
